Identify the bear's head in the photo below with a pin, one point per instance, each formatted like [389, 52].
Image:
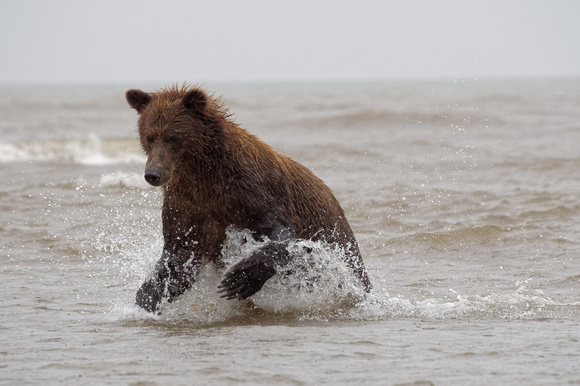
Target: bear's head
[177, 126]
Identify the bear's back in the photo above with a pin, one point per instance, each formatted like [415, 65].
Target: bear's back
[310, 205]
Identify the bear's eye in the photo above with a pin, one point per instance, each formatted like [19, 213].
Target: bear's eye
[150, 139]
[171, 139]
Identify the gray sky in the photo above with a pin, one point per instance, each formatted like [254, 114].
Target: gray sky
[198, 41]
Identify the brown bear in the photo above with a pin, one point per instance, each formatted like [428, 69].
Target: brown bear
[216, 175]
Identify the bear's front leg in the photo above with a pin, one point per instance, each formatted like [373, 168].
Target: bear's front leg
[249, 275]
[170, 279]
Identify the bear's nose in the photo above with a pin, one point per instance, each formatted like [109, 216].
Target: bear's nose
[153, 176]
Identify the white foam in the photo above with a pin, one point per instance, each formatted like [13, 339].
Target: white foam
[10, 153]
[521, 304]
[85, 151]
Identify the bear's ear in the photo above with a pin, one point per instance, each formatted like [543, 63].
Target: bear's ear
[138, 99]
[196, 100]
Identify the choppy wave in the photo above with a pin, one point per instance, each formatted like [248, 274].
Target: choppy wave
[88, 151]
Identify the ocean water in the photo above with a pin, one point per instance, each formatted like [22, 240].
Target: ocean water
[464, 196]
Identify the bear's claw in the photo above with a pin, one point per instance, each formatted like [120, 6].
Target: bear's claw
[245, 278]
[148, 297]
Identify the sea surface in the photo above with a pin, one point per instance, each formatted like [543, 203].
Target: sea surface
[464, 196]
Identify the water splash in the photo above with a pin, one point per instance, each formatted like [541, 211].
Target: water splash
[317, 280]
[321, 287]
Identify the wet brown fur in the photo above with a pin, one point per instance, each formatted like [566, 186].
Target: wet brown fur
[216, 174]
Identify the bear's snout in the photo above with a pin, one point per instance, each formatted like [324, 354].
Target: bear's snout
[153, 176]
[158, 168]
